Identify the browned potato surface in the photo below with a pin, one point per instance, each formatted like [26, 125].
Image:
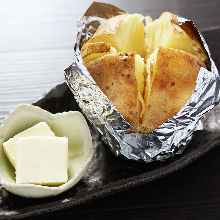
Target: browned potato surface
[147, 72]
[173, 82]
[94, 50]
[116, 76]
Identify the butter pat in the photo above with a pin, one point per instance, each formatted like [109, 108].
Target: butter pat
[42, 160]
[40, 129]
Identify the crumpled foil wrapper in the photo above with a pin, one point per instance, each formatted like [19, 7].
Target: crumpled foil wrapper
[169, 139]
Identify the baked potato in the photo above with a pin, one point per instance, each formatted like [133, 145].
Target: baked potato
[147, 71]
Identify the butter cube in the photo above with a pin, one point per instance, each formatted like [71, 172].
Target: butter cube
[42, 160]
[40, 129]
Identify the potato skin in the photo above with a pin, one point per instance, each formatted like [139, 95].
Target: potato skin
[193, 33]
[115, 76]
[98, 47]
[174, 81]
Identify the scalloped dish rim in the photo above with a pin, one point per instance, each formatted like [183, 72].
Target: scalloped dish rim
[39, 191]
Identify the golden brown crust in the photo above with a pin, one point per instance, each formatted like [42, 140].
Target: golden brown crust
[174, 81]
[98, 47]
[115, 76]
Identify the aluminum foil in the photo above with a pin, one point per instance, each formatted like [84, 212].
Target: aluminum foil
[169, 139]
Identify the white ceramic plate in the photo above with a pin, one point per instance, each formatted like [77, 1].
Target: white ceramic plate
[71, 124]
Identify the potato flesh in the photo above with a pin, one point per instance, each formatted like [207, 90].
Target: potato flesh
[139, 72]
[93, 56]
[166, 32]
[122, 35]
[150, 67]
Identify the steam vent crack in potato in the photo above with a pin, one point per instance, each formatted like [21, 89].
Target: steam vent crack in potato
[147, 71]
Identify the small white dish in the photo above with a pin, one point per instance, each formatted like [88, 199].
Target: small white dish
[70, 124]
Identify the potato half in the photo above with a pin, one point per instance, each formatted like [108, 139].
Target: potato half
[120, 77]
[173, 80]
[147, 72]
